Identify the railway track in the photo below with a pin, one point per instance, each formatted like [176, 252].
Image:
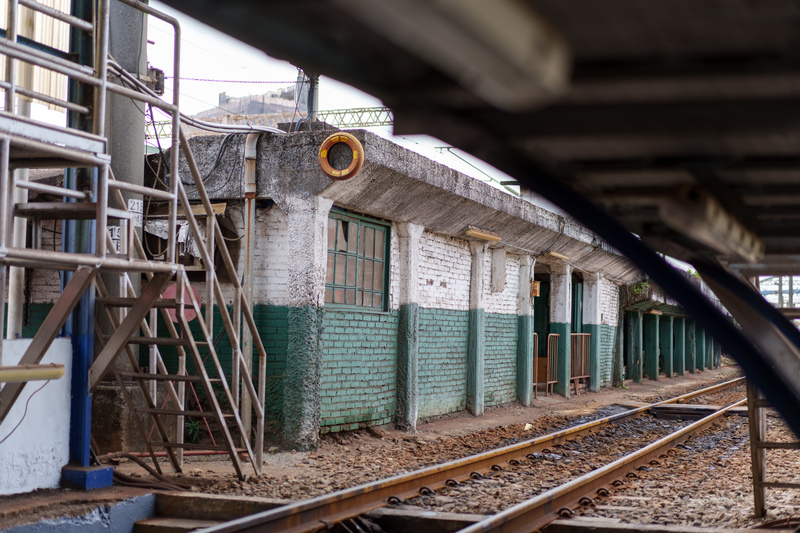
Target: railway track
[325, 511]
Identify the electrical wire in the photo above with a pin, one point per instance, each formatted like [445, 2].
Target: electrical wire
[24, 414]
[234, 81]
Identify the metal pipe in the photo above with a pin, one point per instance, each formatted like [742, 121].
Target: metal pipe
[186, 453]
[11, 35]
[48, 61]
[52, 189]
[138, 189]
[59, 15]
[55, 260]
[25, 373]
[45, 98]
[59, 151]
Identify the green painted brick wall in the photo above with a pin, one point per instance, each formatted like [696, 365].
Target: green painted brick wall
[442, 382]
[500, 360]
[33, 316]
[608, 338]
[358, 369]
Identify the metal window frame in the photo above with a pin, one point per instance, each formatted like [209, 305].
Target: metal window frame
[363, 222]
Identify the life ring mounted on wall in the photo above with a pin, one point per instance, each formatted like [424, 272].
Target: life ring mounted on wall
[354, 166]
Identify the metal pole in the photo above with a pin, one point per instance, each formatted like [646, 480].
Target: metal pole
[16, 275]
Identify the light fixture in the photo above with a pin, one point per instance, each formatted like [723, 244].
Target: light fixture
[484, 234]
[655, 312]
[558, 256]
[696, 214]
[502, 51]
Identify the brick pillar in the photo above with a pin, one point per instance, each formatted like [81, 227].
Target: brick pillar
[477, 331]
[700, 350]
[592, 322]
[407, 406]
[525, 356]
[651, 345]
[307, 220]
[679, 344]
[561, 321]
[635, 364]
[666, 344]
[691, 346]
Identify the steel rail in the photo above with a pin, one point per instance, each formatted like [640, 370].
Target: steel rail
[322, 511]
[533, 514]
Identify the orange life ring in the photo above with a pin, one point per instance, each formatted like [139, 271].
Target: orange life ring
[354, 166]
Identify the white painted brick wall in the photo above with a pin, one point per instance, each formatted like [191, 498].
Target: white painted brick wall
[271, 268]
[609, 302]
[46, 284]
[502, 302]
[394, 269]
[444, 272]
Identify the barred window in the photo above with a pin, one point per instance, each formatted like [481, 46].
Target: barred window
[358, 262]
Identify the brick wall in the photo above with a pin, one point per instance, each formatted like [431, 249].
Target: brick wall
[506, 301]
[442, 382]
[271, 265]
[444, 272]
[358, 369]
[500, 363]
[609, 312]
[46, 284]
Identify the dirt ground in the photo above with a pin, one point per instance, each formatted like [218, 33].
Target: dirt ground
[350, 458]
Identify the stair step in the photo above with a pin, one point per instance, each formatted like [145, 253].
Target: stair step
[139, 189]
[162, 341]
[165, 377]
[178, 412]
[169, 524]
[65, 211]
[162, 303]
[222, 507]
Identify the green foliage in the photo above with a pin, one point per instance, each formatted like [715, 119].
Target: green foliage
[639, 288]
[192, 430]
[693, 273]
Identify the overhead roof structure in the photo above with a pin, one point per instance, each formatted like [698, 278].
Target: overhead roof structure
[677, 121]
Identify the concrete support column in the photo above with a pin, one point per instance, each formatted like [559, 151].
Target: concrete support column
[407, 405]
[591, 324]
[700, 350]
[667, 346]
[306, 240]
[717, 354]
[691, 346]
[525, 355]
[561, 321]
[651, 345]
[635, 348]
[679, 346]
[476, 348]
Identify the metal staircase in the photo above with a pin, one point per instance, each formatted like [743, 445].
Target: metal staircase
[95, 199]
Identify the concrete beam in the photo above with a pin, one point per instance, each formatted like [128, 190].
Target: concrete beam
[561, 321]
[407, 404]
[476, 342]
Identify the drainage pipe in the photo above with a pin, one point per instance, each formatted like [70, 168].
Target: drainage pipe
[24, 373]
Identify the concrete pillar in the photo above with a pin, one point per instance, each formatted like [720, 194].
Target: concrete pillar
[709, 351]
[591, 324]
[666, 344]
[407, 404]
[691, 345]
[651, 345]
[679, 345]
[635, 363]
[307, 220]
[700, 350]
[717, 354]
[477, 330]
[561, 321]
[525, 356]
